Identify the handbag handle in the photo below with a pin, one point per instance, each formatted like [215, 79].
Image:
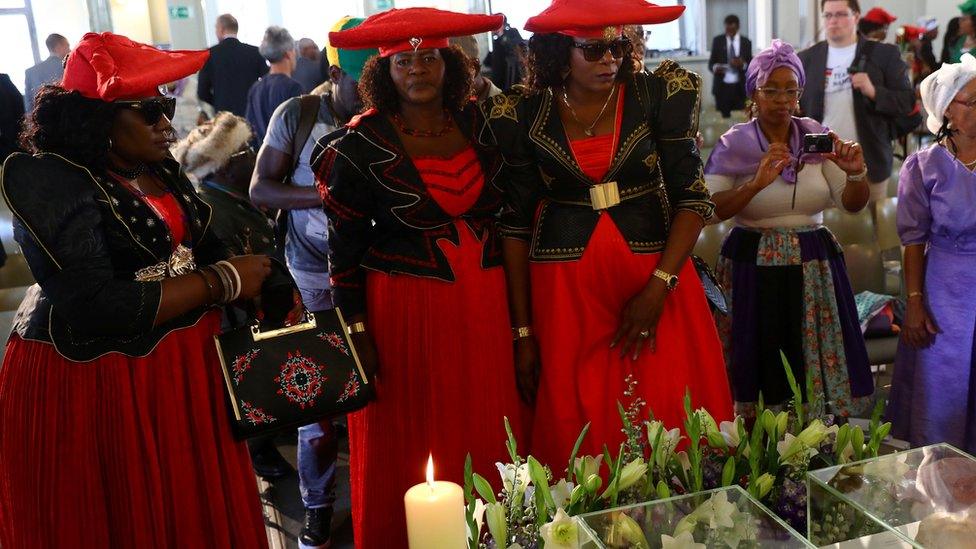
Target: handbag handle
[308, 324]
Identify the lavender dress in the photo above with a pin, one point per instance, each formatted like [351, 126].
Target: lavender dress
[933, 394]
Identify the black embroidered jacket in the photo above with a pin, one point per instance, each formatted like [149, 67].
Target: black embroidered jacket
[381, 216]
[656, 166]
[84, 237]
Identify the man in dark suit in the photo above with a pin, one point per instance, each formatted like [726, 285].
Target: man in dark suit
[731, 54]
[857, 88]
[504, 60]
[233, 67]
[48, 71]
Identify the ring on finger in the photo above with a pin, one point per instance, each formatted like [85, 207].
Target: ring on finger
[645, 334]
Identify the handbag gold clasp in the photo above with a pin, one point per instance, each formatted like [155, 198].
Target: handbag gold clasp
[604, 195]
[258, 335]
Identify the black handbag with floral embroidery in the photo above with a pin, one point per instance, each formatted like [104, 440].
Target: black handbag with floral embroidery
[283, 376]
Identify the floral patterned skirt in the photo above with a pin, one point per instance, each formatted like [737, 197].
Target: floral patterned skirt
[788, 291]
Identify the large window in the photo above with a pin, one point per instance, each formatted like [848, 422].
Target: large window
[17, 39]
[302, 18]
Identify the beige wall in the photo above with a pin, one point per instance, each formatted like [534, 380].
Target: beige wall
[159, 22]
[131, 18]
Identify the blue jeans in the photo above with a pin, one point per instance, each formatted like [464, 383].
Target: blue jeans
[317, 451]
[317, 444]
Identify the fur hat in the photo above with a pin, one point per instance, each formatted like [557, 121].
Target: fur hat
[210, 145]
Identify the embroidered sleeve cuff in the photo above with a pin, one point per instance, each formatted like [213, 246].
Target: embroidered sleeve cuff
[703, 208]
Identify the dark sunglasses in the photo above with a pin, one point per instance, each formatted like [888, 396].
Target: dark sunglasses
[152, 110]
[594, 51]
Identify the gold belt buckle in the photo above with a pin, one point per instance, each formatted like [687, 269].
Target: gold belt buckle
[604, 195]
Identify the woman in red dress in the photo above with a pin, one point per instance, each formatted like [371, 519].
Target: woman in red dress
[114, 426]
[606, 199]
[412, 199]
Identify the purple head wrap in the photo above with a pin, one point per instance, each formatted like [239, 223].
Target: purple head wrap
[779, 54]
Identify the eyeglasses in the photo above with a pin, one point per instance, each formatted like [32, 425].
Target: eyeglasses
[594, 51]
[774, 94]
[152, 110]
[836, 15]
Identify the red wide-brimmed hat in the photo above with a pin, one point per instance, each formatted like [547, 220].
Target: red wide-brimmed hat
[397, 30]
[879, 16]
[583, 19]
[110, 67]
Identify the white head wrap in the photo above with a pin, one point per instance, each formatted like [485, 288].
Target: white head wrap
[940, 88]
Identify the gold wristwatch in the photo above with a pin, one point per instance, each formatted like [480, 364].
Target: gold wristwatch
[670, 280]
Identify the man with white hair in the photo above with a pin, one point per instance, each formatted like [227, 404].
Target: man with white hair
[278, 47]
[308, 66]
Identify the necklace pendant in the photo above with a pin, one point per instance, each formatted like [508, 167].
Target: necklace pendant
[588, 132]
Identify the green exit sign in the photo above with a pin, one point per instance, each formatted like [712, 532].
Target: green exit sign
[180, 12]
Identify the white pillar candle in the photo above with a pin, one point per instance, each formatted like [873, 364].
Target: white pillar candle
[435, 514]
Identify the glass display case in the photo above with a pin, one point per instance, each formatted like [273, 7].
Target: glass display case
[916, 498]
[715, 519]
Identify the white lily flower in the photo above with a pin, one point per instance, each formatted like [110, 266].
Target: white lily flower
[508, 473]
[813, 434]
[682, 541]
[561, 532]
[730, 432]
[479, 518]
[792, 449]
[631, 473]
[561, 492]
[683, 460]
[589, 464]
[717, 510]
[889, 468]
[669, 438]
[625, 532]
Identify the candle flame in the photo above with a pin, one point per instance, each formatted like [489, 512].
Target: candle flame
[430, 470]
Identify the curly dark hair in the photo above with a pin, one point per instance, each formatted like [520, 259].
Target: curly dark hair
[549, 57]
[71, 125]
[377, 90]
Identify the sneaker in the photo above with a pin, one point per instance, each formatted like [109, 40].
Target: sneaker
[316, 533]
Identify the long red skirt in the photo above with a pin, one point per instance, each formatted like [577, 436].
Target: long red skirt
[446, 381]
[122, 451]
[576, 311]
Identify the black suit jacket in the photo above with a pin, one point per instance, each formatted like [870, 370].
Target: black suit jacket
[227, 76]
[874, 120]
[720, 54]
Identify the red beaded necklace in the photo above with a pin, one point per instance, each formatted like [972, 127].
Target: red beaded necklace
[423, 133]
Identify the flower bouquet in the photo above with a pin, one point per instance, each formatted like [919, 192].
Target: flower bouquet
[767, 457]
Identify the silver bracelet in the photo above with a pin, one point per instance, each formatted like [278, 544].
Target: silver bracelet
[232, 270]
[856, 178]
[226, 282]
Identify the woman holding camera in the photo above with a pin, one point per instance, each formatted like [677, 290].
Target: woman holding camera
[783, 270]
